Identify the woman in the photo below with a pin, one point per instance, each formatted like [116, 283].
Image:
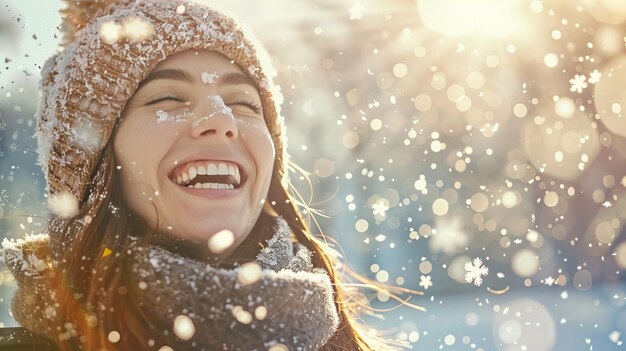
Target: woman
[163, 148]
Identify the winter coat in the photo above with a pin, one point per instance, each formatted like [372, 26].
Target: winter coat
[282, 299]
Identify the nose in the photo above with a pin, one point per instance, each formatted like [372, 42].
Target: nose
[214, 119]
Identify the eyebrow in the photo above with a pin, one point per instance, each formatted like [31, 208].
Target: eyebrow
[175, 74]
[233, 78]
[236, 78]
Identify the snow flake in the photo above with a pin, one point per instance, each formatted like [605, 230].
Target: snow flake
[110, 32]
[380, 208]
[448, 236]
[63, 204]
[137, 29]
[594, 77]
[243, 316]
[614, 337]
[356, 11]
[184, 327]
[474, 271]
[134, 29]
[3, 125]
[426, 281]
[3, 196]
[578, 83]
[221, 241]
[87, 135]
[249, 273]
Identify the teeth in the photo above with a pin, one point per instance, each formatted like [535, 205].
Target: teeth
[212, 168]
[192, 172]
[223, 169]
[216, 186]
[237, 176]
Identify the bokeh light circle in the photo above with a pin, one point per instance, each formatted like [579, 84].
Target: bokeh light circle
[560, 147]
[610, 96]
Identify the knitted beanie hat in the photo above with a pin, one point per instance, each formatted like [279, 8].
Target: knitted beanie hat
[110, 46]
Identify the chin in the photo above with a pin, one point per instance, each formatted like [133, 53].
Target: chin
[204, 233]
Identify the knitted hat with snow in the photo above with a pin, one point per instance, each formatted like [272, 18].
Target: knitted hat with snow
[110, 46]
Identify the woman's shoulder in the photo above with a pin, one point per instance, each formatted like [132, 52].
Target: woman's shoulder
[20, 339]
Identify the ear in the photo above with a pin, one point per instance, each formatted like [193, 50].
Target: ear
[79, 13]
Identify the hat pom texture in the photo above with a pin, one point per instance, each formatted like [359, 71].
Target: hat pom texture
[79, 13]
[85, 86]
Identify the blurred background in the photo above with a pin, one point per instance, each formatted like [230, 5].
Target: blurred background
[474, 150]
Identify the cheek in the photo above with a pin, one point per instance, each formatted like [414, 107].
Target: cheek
[139, 149]
[258, 137]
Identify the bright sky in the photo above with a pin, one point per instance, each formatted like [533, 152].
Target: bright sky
[35, 19]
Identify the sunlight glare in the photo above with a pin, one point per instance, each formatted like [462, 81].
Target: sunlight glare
[465, 17]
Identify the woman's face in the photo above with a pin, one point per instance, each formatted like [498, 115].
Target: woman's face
[193, 147]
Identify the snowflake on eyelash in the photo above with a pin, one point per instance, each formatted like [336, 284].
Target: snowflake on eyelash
[594, 76]
[474, 271]
[578, 83]
[426, 281]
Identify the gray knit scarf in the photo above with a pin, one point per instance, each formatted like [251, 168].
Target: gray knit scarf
[283, 299]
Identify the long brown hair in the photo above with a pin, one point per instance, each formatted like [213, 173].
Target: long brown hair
[93, 291]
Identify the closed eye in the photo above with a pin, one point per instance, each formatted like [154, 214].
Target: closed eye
[156, 101]
[251, 105]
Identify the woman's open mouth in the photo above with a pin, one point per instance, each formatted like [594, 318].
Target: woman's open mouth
[205, 174]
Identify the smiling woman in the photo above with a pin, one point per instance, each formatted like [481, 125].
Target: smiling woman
[163, 148]
[213, 136]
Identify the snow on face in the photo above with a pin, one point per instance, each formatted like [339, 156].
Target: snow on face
[209, 78]
[219, 106]
[175, 118]
[163, 116]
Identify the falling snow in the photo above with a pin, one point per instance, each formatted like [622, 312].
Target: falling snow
[578, 83]
[4, 197]
[356, 11]
[474, 271]
[425, 281]
[437, 140]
